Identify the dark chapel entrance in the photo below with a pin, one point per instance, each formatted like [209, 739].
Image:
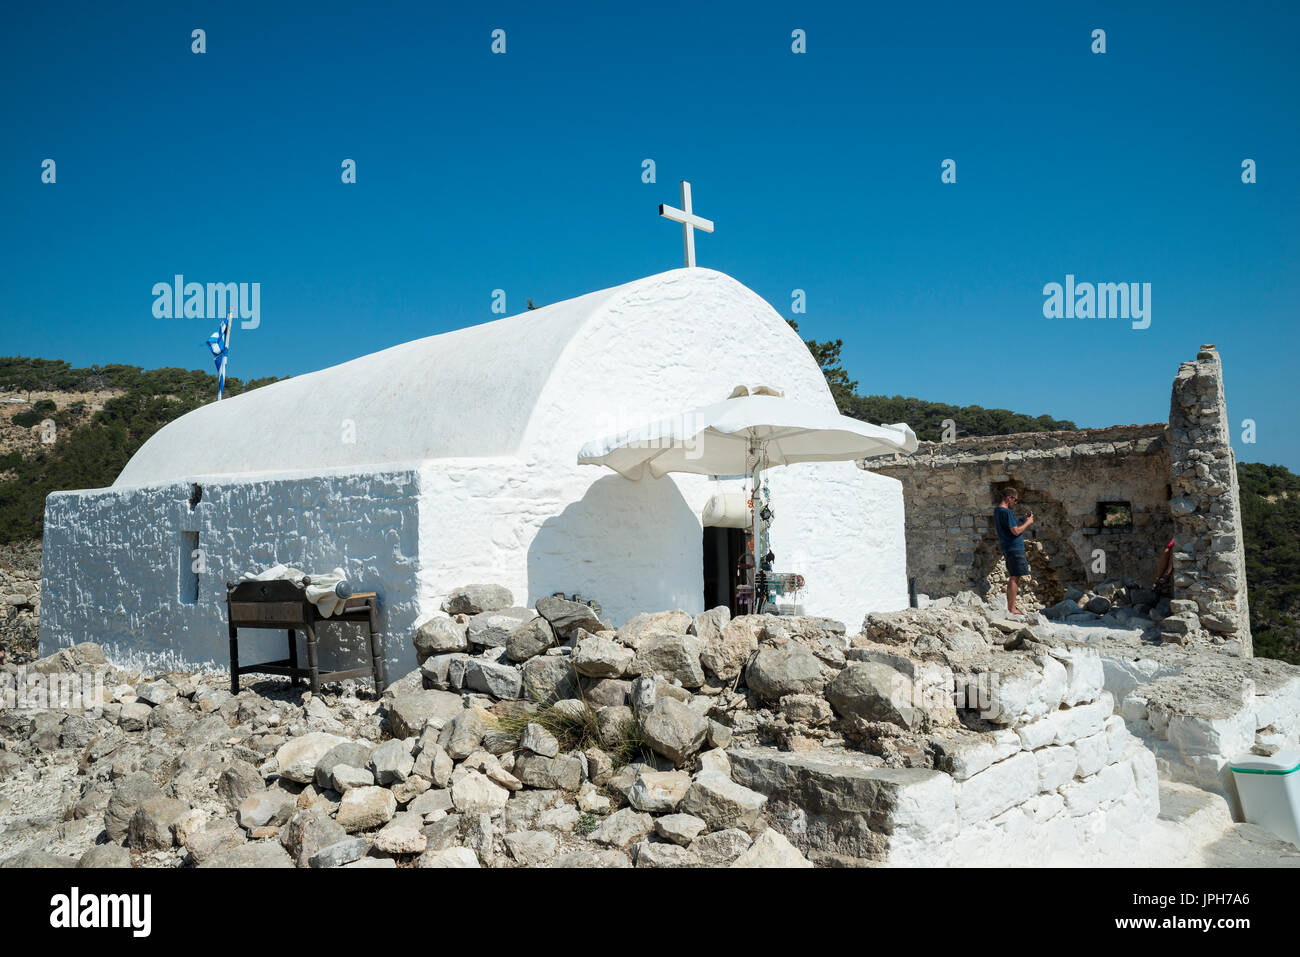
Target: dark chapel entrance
[723, 550]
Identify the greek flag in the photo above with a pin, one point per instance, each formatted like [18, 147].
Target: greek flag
[219, 346]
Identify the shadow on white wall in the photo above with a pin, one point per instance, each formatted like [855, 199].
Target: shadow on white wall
[631, 546]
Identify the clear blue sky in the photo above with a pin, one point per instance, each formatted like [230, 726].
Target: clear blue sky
[523, 172]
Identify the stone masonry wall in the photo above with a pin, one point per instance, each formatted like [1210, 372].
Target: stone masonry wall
[950, 490]
[1209, 561]
[1178, 479]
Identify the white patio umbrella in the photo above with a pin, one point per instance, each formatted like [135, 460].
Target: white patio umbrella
[753, 430]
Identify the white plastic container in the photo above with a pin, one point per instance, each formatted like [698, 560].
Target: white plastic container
[1269, 789]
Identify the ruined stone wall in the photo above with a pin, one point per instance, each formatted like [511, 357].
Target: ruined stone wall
[1209, 563]
[950, 490]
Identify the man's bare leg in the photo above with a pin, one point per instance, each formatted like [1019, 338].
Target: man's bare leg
[1012, 584]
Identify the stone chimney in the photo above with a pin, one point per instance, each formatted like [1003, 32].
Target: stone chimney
[1209, 555]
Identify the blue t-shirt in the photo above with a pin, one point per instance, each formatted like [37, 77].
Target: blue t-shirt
[1003, 522]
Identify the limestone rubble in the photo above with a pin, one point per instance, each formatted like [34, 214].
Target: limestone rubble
[951, 734]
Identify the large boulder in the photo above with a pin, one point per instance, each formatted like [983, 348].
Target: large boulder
[297, 757]
[493, 629]
[366, 808]
[562, 773]
[614, 723]
[531, 847]
[676, 657]
[722, 803]
[343, 851]
[595, 656]
[439, 636]
[172, 716]
[725, 654]
[217, 837]
[476, 599]
[402, 835]
[408, 713]
[663, 854]
[155, 693]
[549, 678]
[566, 617]
[308, 832]
[674, 730]
[208, 730]
[874, 691]
[788, 669]
[272, 807]
[432, 762]
[1062, 609]
[530, 639]
[105, 855]
[134, 716]
[679, 828]
[623, 828]
[848, 809]
[258, 854]
[602, 692]
[352, 754]
[721, 848]
[461, 737]
[449, 857]
[444, 672]
[502, 681]
[150, 828]
[708, 625]
[771, 849]
[392, 762]
[649, 624]
[658, 792]
[131, 791]
[539, 741]
[475, 793]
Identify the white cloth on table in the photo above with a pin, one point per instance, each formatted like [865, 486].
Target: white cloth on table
[320, 592]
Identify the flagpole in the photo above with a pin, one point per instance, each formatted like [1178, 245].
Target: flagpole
[230, 325]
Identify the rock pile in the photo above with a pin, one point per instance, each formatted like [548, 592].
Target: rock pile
[543, 737]
[1129, 605]
[612, 758]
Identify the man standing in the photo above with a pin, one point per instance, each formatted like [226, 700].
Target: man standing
[1010, 537]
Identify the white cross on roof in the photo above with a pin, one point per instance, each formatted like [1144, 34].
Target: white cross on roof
[690, 222]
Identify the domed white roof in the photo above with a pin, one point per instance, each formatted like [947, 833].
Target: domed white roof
[538, 384]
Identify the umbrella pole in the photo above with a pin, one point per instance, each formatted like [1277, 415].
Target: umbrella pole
[755, 526]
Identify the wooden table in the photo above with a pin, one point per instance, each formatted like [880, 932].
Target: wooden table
[283, 604]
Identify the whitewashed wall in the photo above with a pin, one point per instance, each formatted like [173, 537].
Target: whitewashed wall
[112, 559]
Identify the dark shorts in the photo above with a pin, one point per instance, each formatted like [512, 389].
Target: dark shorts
[1017, 564]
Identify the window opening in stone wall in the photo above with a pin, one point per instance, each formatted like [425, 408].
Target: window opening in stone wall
[1115, 515]
[196, 494]
[187, 589]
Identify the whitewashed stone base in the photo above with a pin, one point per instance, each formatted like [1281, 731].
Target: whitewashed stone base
[1075, 796]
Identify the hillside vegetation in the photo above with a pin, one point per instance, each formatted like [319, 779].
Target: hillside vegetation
[90, 448]
[1270, 519]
